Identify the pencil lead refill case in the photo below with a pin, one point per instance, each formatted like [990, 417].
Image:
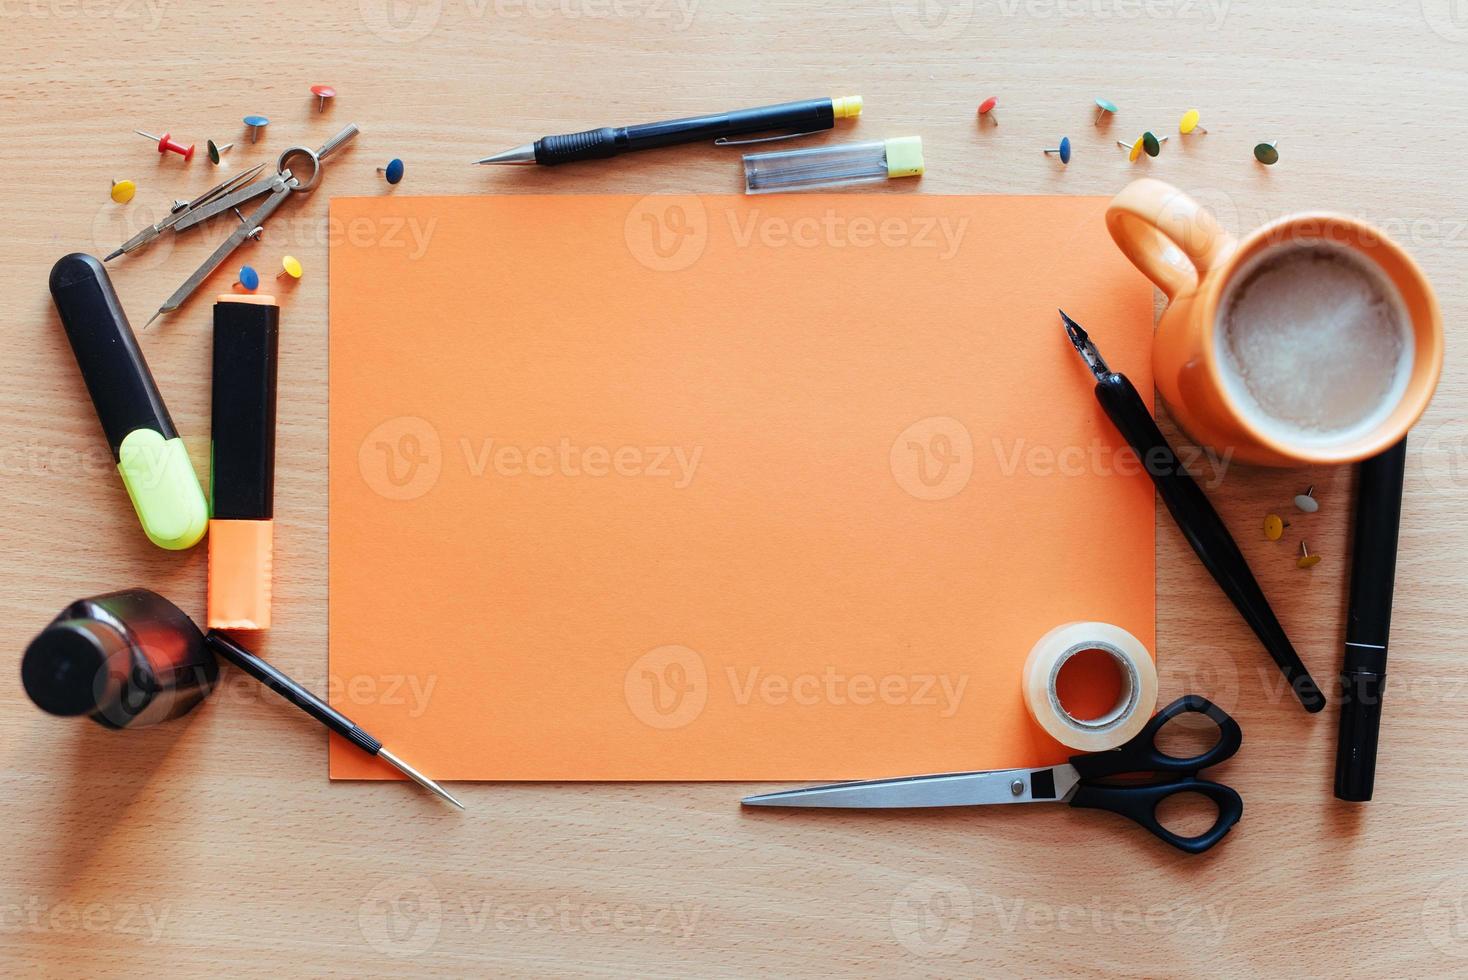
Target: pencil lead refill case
[833, 166]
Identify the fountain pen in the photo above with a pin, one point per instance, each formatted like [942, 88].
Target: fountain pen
[1194, 515]
[277, 681]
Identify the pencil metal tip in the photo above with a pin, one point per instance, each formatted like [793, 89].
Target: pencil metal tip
[112, 255]
[418, 777]
[519, 156]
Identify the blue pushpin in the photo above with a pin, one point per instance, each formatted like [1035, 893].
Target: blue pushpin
[256, 123]
[393, 171]
[249, 279]
[1063, 149]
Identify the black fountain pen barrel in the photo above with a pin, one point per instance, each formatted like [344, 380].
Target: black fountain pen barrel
[1203, 528]
[275, 679]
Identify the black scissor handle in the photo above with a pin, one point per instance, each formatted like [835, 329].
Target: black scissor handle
[1139, 804]
[1141, 754]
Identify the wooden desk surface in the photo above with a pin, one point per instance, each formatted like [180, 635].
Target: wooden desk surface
[219, 844]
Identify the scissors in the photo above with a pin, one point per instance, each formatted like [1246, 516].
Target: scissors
[229, 196]
[1084, 782]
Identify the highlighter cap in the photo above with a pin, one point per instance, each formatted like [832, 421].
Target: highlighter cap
[833, 166]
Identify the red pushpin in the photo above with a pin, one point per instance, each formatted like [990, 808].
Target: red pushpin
[986, 108]
[167, 145]
[323, 93]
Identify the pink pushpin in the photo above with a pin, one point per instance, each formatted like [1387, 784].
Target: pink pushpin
[323, 93]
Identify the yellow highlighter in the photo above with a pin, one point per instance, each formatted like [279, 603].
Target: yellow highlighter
[150, 456]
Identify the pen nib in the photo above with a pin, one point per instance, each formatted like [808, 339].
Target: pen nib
[417, 777]
[1083, 345]
[519, 155]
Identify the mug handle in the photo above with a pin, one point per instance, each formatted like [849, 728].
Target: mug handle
[1167, 234]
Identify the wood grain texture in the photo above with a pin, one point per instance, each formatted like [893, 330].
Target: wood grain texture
[219, 844]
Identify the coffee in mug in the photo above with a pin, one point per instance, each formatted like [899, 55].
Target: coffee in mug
[1314, 343]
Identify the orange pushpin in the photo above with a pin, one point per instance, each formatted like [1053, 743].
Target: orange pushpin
[986, 109]
[1306, 560]
[1274, 526]
[323, 93]
[290, 266]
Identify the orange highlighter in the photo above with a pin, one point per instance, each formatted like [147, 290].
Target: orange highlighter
[242, 461]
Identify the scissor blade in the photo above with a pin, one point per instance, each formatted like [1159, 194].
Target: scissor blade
[1048, 785]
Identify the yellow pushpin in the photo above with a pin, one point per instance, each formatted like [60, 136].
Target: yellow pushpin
[1306, 560]
[123, 191]
[1274, 526]
[1189, 124]
[290, 266]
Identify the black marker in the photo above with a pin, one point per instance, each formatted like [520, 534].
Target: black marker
[1194, 515]
[1369, 621]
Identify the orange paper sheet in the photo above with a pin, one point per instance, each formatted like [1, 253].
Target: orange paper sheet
[721, 488]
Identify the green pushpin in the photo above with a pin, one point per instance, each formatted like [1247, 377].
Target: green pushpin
[1104, 108]
[1149, 143]
[217, 150]
[1267, 153]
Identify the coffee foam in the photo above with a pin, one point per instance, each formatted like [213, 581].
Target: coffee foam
[1314, 344]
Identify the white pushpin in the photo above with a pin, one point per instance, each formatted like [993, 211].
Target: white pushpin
[1306, 501]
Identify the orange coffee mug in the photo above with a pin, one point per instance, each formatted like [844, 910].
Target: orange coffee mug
[1181, 248]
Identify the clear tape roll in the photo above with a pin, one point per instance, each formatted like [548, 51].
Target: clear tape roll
[1133, 708]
